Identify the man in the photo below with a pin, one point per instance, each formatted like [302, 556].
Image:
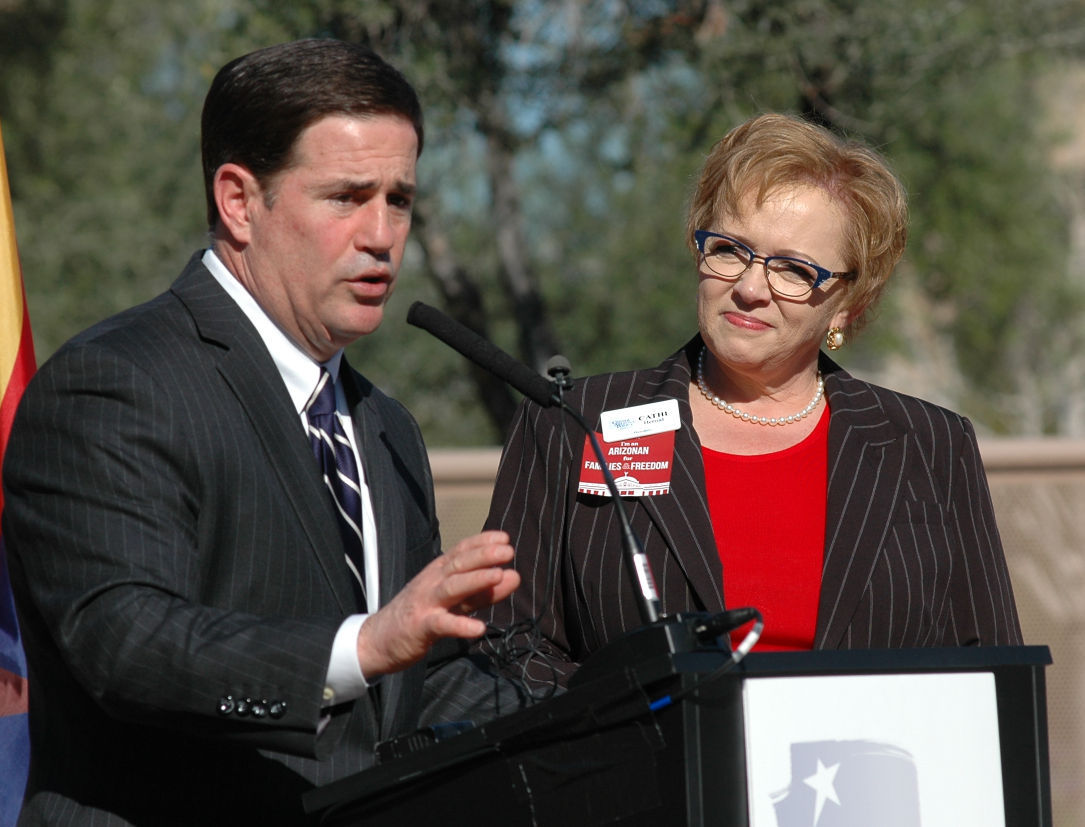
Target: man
[214, 624]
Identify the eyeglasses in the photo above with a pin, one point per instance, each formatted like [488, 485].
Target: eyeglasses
[791, 277]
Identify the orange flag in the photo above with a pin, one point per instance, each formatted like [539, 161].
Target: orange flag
[17, 362]
[17, 365]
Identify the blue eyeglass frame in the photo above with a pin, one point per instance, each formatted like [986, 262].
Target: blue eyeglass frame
[824, 275]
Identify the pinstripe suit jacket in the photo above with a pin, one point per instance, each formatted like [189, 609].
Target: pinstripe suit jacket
[912, 552]
[171, 544]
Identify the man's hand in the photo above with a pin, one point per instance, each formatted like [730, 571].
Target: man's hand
[436, 603]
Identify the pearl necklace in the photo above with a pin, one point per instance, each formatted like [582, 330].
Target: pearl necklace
[727, 407]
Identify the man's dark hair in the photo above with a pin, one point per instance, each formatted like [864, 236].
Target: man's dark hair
[259, 104]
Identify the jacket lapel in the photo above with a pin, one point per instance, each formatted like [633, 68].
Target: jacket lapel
[867, 454]
[390, 694]
[376, 462]
[247, 368]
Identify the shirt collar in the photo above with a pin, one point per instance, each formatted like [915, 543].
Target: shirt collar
[297, 368]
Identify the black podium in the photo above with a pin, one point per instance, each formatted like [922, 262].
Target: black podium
[665, 741]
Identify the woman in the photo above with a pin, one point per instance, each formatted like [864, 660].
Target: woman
[851, 516]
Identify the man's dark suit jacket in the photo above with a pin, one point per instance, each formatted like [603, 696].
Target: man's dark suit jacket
[912, 552]
[180, 577]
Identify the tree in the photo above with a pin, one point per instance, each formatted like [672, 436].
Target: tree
[101, 106]
[607, 108]
[562, 142]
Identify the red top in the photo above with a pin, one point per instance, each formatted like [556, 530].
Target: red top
[768, 515]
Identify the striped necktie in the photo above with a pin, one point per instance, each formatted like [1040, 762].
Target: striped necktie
[340, 471]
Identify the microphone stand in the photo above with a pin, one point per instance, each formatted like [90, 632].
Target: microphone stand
[660, 635]
[632, 549]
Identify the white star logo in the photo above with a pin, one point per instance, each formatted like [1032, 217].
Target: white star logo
[822, 783]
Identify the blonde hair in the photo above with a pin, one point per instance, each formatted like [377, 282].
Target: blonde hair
[774, 151]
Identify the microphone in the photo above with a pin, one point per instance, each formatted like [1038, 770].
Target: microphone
[483, 353]
[545, 393]
[711, 627]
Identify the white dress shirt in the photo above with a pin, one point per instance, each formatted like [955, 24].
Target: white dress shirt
[300, 373]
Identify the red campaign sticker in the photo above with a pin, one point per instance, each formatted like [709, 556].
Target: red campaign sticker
[641, 466]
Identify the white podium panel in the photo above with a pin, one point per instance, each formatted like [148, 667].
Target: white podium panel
[899, 750]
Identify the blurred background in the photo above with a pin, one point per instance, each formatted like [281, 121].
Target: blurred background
[563, 138]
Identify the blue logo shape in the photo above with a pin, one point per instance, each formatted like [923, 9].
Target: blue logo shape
[849, 784]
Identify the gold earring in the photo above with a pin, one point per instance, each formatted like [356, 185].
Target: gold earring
[834, 339]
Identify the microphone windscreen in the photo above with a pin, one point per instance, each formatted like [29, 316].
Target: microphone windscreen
[558, 364]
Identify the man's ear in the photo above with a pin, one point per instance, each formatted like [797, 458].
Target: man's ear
[236, 192]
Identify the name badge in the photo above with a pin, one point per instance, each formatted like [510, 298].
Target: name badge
[641, 466]
[640, 420]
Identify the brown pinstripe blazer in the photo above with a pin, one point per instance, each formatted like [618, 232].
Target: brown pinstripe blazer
[912, 552]
[171, 544]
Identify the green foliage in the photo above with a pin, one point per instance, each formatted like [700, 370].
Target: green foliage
[604, 111]
[101, 126]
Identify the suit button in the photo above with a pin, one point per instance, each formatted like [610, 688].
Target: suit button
[259, 709]
[244, 707]
[277, 709]
[226, 704]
